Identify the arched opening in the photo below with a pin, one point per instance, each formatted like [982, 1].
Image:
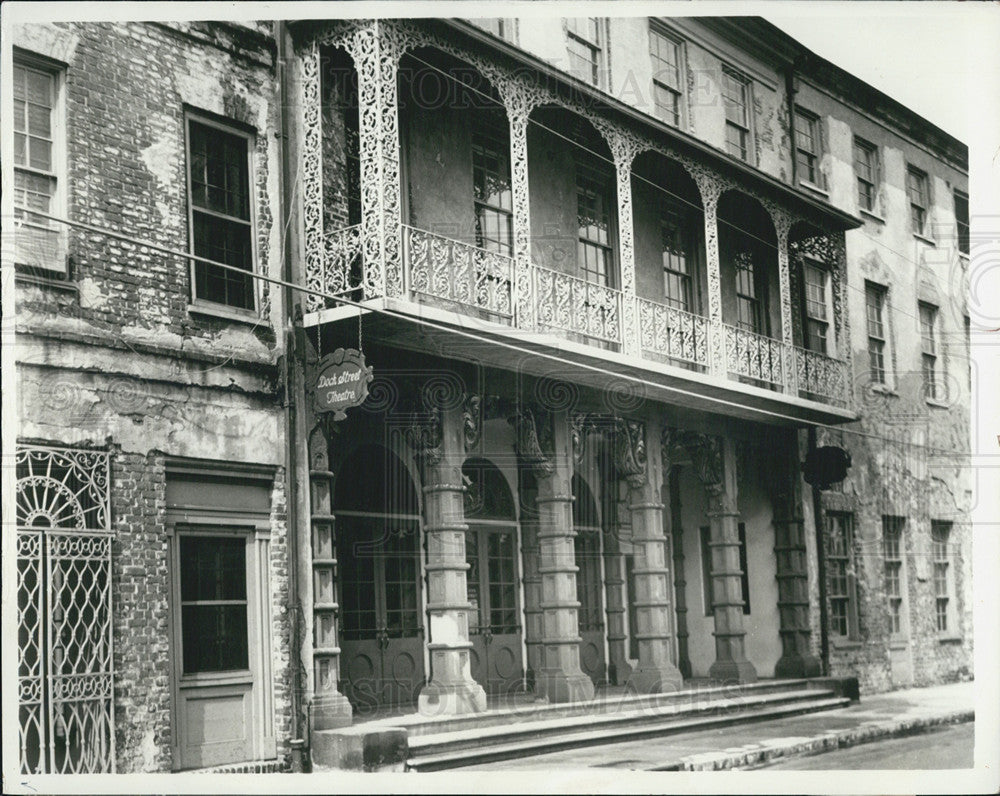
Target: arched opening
[589, 581]
[492, 581]
[669, 261]
[378, 552]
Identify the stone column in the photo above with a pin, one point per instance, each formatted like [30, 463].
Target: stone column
[711, 190]
[559, 678]
[796, 658]
[640, 465]
[437, 438]
[714, 459]
[330, 708]
[532, 596]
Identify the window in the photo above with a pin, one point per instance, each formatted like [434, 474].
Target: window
[841, 577]
[220, 213]
[866, 169]
[877, 336]
[944, 576]
[748, 305]
[916, 192]
[706, 568]
[928, 350]
[665, 54]
[962, 221]
[735, 91]
[583, 44]
[816, 282]
[37, 180]
[676, 253]
[500, 27]
[593, 194]
[213, 603]
[807, 146]
[491, 184]
[892, 563]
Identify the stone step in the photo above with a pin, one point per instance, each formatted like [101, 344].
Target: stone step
[431, 758]
[603, 703]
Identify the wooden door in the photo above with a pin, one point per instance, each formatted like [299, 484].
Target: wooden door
[589, 585]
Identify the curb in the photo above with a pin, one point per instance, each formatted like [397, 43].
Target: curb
[757, 754]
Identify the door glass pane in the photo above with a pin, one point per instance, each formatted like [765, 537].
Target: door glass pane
[357, 571]
[503, 584]
[401, 579]
[214, 632]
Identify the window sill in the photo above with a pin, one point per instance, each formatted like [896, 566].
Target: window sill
[226, 313]
[949, 639]
[814, 188]
[925, 240]
[871, 215]
[899, 643]
[846, 643]
[56, 283]
[938, 403]
[883, 389]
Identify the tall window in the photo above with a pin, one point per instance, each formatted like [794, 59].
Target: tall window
[866, 169]
[748, 304]
[842, 577]
[583, 45]
[807, 146]
[962, 221]
[665, 54]
[892, 563]
[36, 177]
[928, 350]
[875, 316]
[676, 252]
[221, 226]
[917, 193]
[944, 576]
[593, 196]
[491, 184]
[735, 96]
[499, 26]
[817, 321]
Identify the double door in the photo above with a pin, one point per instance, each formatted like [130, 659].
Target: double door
[382, 637]
[494, 627]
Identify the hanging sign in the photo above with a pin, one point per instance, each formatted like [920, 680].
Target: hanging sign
[826, 466]
[341, 382]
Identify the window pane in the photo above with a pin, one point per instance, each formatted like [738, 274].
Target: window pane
[214, 638]
[213, 568]
[962, 221]
[219, 171]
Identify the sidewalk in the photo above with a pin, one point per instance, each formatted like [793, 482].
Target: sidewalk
[876, 716]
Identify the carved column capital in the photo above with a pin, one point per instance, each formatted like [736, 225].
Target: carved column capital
[706, 456]
[472, 421]
[424, 434]
[629, 449]
[529, 432]
[580, 425]
[671, 448]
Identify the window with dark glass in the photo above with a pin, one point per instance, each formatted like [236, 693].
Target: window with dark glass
[735, 91]
[221, 227]
[866, 170]
[816, 282]
[917, 193]
[665, 54]
[842, 580]
[962, 221]
[874, 310]
[748, 304]
[807, 146]
[928, 350]
[943, 574]
[36, 180]
[214, 630]
[583, 45]
[892, 564]
[593, 194]
[676, 254]
[491, 185]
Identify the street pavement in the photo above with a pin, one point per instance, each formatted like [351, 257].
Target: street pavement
[937, 748]
[751, 745]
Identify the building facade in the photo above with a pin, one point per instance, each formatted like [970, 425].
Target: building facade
[616, 278]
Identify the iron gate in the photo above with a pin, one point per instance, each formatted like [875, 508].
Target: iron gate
[65, 665]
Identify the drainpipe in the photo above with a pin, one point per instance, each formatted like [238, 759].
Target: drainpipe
[293, 509]
[790, 92]
[824, 620]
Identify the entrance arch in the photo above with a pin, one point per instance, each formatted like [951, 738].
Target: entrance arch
[378, 549]
[491, 545]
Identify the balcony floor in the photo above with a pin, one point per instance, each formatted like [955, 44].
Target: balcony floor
[686, 391]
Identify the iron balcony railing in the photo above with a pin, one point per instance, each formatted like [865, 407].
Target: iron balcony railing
[466, 278]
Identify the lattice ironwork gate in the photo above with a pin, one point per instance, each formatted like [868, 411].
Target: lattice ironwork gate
[65, 667]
